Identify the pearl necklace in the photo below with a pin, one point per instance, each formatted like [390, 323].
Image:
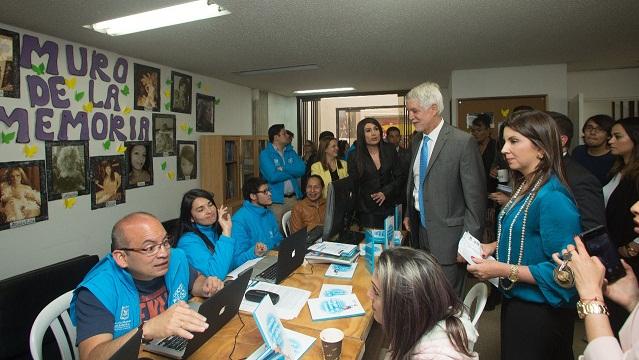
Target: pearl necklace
[511, 203]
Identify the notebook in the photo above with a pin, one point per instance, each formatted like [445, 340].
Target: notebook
[218, 310]
[290, 256]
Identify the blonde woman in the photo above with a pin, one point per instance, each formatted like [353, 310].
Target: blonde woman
[329, 167]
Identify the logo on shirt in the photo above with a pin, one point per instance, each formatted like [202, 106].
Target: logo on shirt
[179, 294]
[124, 312]
[276, 162]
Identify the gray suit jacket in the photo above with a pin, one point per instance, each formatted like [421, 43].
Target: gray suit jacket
[454, 192]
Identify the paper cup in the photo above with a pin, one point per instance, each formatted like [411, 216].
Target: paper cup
[502, 175]
[332, 343]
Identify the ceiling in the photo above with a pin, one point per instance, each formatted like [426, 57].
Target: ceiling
[372, 45]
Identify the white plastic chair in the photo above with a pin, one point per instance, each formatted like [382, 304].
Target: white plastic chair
[56, 316]
[478, 294]
[286, 218]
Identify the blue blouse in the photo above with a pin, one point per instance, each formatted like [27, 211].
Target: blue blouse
[216, 264]
[552, 222]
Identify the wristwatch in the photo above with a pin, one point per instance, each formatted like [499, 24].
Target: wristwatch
[591, 308]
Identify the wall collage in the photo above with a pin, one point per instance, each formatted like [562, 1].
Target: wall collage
[93, 101]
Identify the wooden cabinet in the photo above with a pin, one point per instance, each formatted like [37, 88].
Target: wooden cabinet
[225, 161]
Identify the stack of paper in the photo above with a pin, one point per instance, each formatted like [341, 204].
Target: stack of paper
[332, 252]
[341, 271]
[291, 299]
[278, 341]
[336, 307]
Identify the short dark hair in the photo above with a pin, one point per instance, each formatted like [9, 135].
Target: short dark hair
[315, 176]
[564, 124]
[252, 186]
[482, 119]
[326, 133]
[274, 130]
[603, 121]
[392, 128]
[523, 108]
[186, 220]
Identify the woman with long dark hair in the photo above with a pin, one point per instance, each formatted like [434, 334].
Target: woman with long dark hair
[419, 312]
[205, 234]
[620, 194]
[537, 315]
[376, 175]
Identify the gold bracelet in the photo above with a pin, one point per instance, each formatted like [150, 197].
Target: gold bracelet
[513, 277]
[591, 308]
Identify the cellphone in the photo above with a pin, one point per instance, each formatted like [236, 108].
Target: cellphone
[598, 244]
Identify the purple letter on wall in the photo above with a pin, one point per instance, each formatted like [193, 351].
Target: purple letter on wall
[32, 44]
[21, 117]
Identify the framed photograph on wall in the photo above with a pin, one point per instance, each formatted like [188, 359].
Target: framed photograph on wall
[187, 160]
[163, 135]
[204, 113]
[67, 168]
[9, 64]
[181, 90]
[146, 87]
[107, 182]
[139, 162]
[23, 199]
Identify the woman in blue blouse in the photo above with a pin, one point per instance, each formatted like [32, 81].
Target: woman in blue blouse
[537, 315]
[205, 234]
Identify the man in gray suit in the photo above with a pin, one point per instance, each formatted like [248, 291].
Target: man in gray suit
[446, 192]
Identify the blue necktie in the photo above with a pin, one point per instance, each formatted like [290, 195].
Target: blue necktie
[423, 165]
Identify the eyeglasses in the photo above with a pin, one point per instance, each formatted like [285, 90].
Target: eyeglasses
[265, 191]
[152, 250]
[593, 129]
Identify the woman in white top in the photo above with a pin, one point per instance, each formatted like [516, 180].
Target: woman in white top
[419, 312]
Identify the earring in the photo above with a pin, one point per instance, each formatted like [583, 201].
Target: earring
[540, 156]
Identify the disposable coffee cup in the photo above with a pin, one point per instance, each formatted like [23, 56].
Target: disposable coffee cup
[502, 175]
[332, 343]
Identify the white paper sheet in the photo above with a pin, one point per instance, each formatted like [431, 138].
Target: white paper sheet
[470, 247]
[291, 301]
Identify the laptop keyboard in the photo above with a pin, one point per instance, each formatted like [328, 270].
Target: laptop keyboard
[269, 273]
[174, 342]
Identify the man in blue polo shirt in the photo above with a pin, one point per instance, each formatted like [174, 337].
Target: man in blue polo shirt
[142, 283]
[283, 169]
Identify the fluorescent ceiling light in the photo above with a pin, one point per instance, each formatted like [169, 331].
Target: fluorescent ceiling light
[172, 15]
[319, 91]
[279, 69]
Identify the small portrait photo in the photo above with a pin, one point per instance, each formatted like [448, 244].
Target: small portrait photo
[187, 160]
[205, 113]
[139, 163]
[9, 64]
[163, 135]
[107, 188]
[22, 193]
[68, 168]
[181, 90]
[146, 89]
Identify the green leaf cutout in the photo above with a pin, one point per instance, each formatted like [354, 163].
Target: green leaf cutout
[38, 69]
[79, 95]
[6, 138]
[125, 90]
[190, 130]
[167, 106]
[199, 84]
[106, 145]
[168, 82]
[217, 101]
[163, 165]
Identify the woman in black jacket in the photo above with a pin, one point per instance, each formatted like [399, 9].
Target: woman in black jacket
[376, 175]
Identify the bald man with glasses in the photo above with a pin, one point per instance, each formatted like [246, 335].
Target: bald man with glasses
[141, 284]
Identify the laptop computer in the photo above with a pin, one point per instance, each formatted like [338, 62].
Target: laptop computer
[290, 256]
[130, 349]
[314, 235]
[218, 310]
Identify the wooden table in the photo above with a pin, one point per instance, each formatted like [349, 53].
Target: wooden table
[356, 327]
[309, 277]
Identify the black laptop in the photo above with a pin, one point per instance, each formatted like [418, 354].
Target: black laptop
[218, 310]
[130, 349]
[290, 256]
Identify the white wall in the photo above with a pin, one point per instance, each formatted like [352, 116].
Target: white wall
[80, 230]
[604, 84]
[283, 110]
[512, 81]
